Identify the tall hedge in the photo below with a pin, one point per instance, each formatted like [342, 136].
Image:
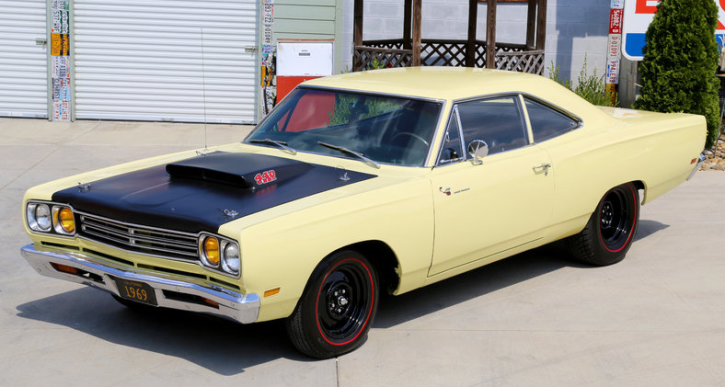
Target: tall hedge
[680, 60]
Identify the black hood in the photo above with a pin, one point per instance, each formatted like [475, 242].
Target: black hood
[203, 192]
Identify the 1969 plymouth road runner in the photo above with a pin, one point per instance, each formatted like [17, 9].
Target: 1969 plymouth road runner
[357, 184]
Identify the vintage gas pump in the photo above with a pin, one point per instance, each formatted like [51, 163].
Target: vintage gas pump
[301, 60]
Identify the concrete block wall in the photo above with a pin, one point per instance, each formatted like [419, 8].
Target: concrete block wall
[347, 36]
[575, 29]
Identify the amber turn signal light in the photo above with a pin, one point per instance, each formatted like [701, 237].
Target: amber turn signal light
[66, 220]
[211, 250]
[64, 268]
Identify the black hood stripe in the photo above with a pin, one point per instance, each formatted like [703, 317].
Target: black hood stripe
[204, 192]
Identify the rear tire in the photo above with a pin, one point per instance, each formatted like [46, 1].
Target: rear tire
[335, 312]
[609, 233]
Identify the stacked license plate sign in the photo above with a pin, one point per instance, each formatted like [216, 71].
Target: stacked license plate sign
[60, 60]
[614, 47]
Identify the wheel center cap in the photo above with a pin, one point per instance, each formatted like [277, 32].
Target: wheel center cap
[338, 303]
[607, 215]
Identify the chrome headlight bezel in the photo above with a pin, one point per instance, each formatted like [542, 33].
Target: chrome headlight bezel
[228, 263]
[50, 223]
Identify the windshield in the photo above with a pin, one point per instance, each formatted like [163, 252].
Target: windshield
[383, 129]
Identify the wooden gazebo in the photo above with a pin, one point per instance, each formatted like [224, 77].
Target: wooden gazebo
[411, 50]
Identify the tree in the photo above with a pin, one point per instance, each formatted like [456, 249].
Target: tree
[680, 60]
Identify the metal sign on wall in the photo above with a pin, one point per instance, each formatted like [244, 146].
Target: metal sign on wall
[638, 14]
[60, 60]
[614, 46]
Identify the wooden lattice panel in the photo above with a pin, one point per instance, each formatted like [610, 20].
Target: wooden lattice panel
[480, 55]
[522, 61]
[440, 53]
[368, 58]
[389, 53]
[387, 44]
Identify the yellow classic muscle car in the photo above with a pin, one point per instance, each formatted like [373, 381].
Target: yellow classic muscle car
[357, 184]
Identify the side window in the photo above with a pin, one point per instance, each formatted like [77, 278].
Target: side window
[546, 122]
[451, 150]
[498, 121]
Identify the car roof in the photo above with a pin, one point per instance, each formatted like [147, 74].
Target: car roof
[435, 82]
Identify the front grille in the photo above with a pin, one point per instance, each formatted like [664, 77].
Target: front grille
[142, 239]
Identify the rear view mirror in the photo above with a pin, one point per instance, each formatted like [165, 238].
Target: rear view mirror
[477, 149]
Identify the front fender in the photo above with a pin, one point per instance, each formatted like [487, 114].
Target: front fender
[283, 251]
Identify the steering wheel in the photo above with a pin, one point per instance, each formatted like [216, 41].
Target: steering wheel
[413, 135]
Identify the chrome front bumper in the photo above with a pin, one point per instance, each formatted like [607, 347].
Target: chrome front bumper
[171, 291]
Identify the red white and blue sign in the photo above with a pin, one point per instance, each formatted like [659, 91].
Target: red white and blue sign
[638, 14]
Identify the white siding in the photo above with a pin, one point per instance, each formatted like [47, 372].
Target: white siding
[23, 64]
[142, 60]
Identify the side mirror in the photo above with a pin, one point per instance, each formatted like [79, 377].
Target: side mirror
[477, 149]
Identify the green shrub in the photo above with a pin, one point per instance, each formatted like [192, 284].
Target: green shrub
[680, 60]
[589, 87]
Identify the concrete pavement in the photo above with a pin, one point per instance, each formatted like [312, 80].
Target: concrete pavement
[655, 319]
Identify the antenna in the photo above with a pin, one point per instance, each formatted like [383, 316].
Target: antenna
[203, 85]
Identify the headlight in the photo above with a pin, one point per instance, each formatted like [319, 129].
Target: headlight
[50, 218]
[231, 259]
[39, 217]
[220, 254]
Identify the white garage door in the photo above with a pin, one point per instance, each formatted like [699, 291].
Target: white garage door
[23, 63]
[144, 60]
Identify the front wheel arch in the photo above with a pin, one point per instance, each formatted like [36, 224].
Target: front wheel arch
[383, 259]
[380, 255]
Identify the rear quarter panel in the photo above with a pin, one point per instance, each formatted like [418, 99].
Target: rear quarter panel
[654, 148]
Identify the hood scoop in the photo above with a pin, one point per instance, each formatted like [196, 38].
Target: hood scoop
[238, 169]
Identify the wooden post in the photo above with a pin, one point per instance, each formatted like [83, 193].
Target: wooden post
[491, 34]
[408, 14]
[531, 26]
[471, 43]
[541, 26]
[358, 23]
[416, 31]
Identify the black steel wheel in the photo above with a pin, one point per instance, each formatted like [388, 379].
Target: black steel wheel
[610, 230]
[337, 308]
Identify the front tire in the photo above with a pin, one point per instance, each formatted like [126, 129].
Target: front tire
[337, 308]
[609, 233]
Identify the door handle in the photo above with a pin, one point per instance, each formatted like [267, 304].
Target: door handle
[543, 167]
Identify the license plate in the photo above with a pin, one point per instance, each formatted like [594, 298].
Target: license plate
[136, 291]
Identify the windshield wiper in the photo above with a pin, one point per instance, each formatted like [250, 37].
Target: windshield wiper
[350, 152]
[280, 144]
